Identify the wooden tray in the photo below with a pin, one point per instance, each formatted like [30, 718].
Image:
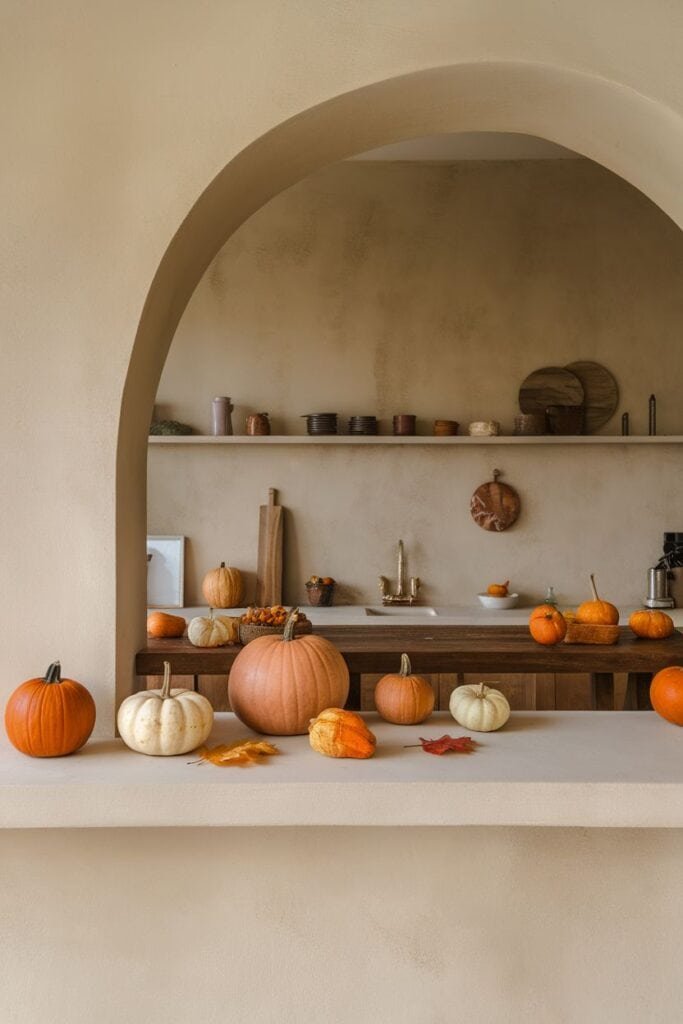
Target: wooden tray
[587, 633]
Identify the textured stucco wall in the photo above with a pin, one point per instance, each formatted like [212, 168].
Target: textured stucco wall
[115, 118]
[434, 289]
[342, 926]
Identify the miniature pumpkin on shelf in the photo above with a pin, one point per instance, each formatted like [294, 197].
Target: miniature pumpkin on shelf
[49, 716]
[223, 587]
[165, 722]
[651, 625]
[479, 707]
[213, 631]
[278, 683]
[546, 625]
[597, 612]
[339, 733]
[404, 698]
[666, 694]
[498, 589]
[160, 624]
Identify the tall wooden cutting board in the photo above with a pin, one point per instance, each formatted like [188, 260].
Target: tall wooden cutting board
[269, 568]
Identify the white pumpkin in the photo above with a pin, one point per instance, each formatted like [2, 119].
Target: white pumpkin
[165, 721]
[207, 631]
[479, 708]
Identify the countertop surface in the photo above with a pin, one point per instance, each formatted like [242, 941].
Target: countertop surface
[544, 768]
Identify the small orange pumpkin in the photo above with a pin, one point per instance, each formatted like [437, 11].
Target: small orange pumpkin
[652, 625]
[498, 589]
[403, 698]
[223, 587]
[597, 612]
[161, 624]
[278, 683]
[666, 694]
[547, 625]
[49, 717]
[339, 733]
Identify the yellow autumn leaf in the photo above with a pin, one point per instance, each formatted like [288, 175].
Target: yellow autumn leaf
[242, 752]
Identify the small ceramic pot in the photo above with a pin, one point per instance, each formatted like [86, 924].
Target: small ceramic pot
[445, 428]
[484, 428]
[531, 424]
[258, 424]
[404, 425]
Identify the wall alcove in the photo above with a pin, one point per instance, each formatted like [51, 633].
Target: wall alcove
[612, 125]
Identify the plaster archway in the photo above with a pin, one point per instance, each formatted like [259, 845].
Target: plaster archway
[636, 138]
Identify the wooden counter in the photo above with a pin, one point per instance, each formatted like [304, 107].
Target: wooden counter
[452, 649]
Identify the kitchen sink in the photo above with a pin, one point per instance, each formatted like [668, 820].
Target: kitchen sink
[401, 611]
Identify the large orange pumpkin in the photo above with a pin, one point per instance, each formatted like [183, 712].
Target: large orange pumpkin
[223, 587]
[666, 694]
[652, 625]
[403, 698]
[597, 612]
[49, 717]
[277, 684]
[547, 625]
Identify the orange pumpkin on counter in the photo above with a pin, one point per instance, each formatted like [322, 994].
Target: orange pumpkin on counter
[49, 716]
[652, 625]
[161, 624]
[597, 612]
[223, 587]
[404, 698]
[278, 683]
[666, 694]
[339, 733]
[547, 625]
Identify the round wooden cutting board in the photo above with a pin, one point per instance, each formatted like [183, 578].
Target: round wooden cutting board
[601, 393]
[550, 385]
[495, 506]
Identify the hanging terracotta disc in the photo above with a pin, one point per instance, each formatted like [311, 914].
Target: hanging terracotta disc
[495, 506]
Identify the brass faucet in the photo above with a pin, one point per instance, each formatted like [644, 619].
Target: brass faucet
[400, 597]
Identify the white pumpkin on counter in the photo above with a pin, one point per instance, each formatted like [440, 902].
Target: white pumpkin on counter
[210, 631]
[479, 708]
[165, 722]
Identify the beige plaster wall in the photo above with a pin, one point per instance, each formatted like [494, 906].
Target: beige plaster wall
[342, 926]
[115, 118]
[430, 288]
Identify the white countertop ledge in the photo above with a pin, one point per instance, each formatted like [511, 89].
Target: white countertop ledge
[552, 768]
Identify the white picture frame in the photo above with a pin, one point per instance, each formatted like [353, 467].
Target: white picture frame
[165, 572]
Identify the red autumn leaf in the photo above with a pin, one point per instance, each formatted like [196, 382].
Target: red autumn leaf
[460, 745]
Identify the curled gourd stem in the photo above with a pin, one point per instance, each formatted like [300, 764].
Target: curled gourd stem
[54, 673]
[290, 624]
[166, 685]
[406, 668]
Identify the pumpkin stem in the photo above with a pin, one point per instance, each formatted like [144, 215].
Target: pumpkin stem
[406, 668]
[482, 690]
[166, 685]
[593, 588]
[290, 624]
[54, 673]
[222, 565]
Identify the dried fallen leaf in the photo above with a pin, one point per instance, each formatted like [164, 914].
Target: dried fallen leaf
[459, 744]
[242, 752]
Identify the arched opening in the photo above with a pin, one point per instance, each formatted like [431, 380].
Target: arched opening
[610, 124]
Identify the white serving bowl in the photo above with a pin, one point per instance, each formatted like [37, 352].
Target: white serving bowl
[499, 602]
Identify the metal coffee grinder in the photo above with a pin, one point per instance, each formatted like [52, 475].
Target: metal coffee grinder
[658, 588]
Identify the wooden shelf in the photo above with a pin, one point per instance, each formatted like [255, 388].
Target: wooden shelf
[345, 439]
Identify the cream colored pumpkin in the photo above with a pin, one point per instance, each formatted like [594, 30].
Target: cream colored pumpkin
[479, 708]
[210, 631]
[165, 721]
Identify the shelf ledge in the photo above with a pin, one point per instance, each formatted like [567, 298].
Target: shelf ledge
[345, 439]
